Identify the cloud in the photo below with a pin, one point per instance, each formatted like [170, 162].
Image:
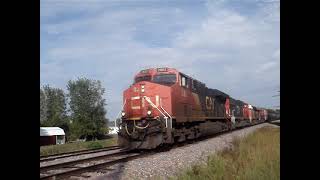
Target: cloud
[266, 66]
[229, 47]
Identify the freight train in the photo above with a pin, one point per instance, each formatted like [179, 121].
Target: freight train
[164, 106]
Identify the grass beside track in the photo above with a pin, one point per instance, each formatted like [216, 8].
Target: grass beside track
[256, 156]
[76, 146]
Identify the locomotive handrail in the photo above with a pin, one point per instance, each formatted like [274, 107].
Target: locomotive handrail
[126, 127]
[166, 113]
[153, 105]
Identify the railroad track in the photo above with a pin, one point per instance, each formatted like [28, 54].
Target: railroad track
[76, 167]
[76, 153]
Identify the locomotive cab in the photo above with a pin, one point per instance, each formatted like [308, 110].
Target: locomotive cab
[147, 109]
[150, 91]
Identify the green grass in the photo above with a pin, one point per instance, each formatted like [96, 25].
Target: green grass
[256, 157]
[69, 147]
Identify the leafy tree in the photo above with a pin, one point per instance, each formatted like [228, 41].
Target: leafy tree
[55, 108]
[87, 108]
[43, 107]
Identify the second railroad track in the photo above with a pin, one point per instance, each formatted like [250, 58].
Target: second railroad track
[76, 167]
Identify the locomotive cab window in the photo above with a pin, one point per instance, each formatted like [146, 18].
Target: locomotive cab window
[184, 81]
[142, 78]
[167, 79]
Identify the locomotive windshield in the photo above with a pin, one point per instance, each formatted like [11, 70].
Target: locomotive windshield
[167, 79]
[143, 78]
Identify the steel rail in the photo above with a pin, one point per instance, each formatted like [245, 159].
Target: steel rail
[79, 170]
[76, 153]
[73, 162]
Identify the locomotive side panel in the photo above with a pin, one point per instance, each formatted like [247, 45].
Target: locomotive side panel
[180, 103]
[188, 105]
[193, 101]
[219, 103]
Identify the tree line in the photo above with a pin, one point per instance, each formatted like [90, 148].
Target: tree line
[80, 112]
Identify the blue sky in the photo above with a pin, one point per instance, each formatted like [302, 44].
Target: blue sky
[231, 45]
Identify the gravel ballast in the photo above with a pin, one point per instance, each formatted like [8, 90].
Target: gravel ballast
[170, 163]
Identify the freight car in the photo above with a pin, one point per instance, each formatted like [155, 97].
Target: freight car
[273, 114]
[164, 106]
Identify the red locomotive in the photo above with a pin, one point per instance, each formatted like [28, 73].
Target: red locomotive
[164, 106]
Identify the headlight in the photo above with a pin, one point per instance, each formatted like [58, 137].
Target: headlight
[123, 114]
[149, 112]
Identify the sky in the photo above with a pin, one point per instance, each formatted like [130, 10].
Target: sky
[230, 45]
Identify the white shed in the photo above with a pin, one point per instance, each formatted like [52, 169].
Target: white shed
[113, 130]
[51, 135]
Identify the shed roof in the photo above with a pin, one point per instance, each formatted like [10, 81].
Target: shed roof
[51, 131]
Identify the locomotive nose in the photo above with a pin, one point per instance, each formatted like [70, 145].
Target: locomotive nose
[137, 107]
[143, 99]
